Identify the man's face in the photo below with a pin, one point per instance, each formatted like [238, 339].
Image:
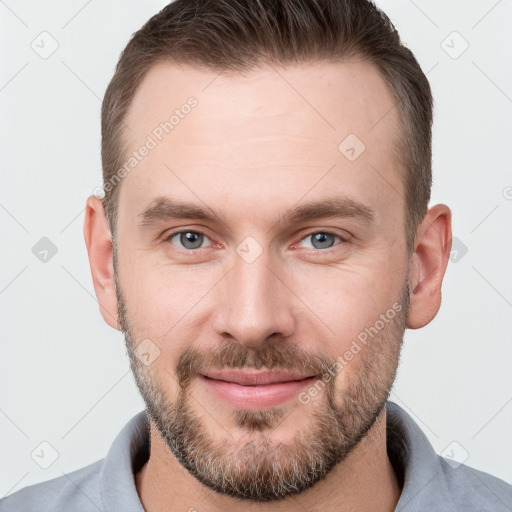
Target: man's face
[250, 287]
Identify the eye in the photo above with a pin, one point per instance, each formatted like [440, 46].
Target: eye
[321, 240]
[188, 239]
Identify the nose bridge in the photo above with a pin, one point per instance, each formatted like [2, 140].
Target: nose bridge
[255, 304]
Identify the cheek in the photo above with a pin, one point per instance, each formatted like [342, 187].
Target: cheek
[164, 302]
[345, 302]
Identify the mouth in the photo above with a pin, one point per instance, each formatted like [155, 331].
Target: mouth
[253, 390]
[256, 378]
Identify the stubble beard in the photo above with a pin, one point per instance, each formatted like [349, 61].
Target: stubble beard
[262, 469]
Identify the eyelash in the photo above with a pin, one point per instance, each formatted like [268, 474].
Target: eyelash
[169, 237]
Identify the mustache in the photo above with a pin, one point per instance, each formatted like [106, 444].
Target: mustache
[279, 356]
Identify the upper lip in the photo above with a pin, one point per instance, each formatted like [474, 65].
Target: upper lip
[253, 378]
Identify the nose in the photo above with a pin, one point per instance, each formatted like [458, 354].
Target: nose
[254, 303]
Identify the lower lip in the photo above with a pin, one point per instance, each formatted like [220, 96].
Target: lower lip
[256, 397]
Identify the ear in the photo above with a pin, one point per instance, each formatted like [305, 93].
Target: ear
[98, 240]
[427, 265]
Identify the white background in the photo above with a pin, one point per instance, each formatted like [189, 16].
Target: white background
[65, 378]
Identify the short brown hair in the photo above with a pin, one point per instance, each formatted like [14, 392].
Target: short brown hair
[239, 35]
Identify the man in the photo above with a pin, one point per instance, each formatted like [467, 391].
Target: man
[263, 243]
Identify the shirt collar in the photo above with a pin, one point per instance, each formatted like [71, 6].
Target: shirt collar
[127, 455]
[412, 456]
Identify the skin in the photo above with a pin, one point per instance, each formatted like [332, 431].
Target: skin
[252, 149]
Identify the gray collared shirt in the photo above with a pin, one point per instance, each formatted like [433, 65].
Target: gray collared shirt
[430, 482]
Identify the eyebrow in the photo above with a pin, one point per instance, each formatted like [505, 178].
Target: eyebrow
[164, 209]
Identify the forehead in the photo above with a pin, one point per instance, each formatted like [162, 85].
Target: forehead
[275, 128]
[331, 96]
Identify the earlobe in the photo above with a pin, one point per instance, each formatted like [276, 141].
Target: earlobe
[428, 265]
[100, 251]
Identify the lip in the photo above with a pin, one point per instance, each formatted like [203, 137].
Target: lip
[252, 390]
[255, 378]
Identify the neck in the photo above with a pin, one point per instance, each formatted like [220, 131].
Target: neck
[364, 481]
